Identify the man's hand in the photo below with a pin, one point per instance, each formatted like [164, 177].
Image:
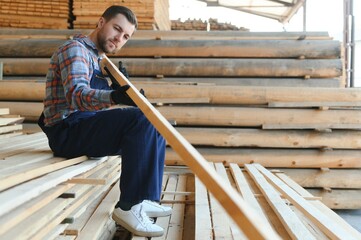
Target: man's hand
[115, 85]
[120, 96]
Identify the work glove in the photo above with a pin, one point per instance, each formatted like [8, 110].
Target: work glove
[115, 85]
[120, 96]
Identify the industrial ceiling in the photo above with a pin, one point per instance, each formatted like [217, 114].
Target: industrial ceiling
[280, 10]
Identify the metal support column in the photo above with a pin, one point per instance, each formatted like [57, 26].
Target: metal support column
[349, 42]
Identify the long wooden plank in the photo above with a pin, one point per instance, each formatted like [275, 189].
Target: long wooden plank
[219, 81]
[175, 229]
[229, 198]
[291, 222]
[236, 116]
[145, 34]
[243, 137]
[164, 222]
[328, 227]
[190, 67]
[246, 191]
[223, 226]
[289, 158]
[30, 90]
[334, 178]
[203, 227]
[189, 48]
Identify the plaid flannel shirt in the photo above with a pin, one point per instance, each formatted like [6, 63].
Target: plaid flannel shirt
[68, 81]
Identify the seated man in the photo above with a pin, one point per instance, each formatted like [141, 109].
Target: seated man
[77, 121]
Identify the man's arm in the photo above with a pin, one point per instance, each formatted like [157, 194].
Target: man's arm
[76, 70]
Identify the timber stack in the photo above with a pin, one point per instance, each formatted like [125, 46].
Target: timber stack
[35, 14]
[277, 99]
[63, 14]
[151, 15]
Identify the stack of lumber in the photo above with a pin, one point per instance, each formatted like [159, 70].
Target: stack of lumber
[239, 97]
[214, 25]
[199, 25]
[10, 125]
[151, 14]
[282, 204]
[34, 14]
[43, 196]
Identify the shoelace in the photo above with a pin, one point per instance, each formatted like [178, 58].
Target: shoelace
[144, 219]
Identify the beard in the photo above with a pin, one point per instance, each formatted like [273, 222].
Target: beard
[103, 44]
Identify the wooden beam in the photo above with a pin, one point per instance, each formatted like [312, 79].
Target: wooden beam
[335, 178]
[229, 198]
[276, 158]
[189, 48]
[146, 34]
[28, 90]
[190, 67]
[203, 227]
[268, 117]
[247, 137]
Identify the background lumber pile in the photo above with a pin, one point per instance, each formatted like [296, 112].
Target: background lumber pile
[275, 99]
[63, 14]
[35, 14]
[199, 25]
[152, 15]
[43, 196]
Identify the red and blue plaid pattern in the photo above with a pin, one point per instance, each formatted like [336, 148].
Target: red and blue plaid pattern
[68, 81]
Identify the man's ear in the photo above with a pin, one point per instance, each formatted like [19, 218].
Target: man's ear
[101, 22]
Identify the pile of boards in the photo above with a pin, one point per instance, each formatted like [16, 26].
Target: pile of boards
[35, 14]
[45, 197]
[150, 14]
[277, 99]
[10, 125]
[199, 25]
[63, 14]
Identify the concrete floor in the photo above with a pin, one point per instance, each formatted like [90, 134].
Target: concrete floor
[353, 217]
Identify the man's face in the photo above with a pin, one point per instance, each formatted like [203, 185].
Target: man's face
[114, 34]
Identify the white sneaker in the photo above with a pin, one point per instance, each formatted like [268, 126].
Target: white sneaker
[153, 209]
[136, 221]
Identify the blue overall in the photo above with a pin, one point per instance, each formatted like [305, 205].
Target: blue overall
[124, 131]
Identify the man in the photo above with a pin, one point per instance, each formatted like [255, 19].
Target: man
[77, 121]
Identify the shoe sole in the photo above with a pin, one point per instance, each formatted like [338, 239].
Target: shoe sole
[136, 232]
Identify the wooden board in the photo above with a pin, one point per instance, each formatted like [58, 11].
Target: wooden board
[232, 202]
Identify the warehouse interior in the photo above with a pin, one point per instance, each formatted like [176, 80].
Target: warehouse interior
[264, 140]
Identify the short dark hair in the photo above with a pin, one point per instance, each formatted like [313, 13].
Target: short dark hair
[114, 10]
